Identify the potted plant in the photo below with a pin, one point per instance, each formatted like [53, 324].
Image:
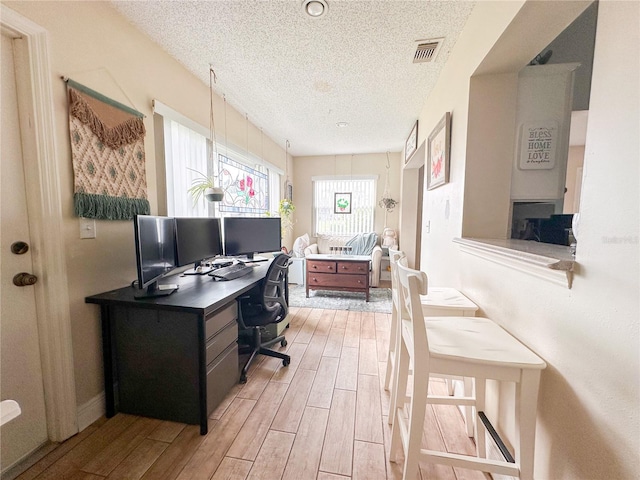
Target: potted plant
[204, 185]
[388, 203]
[286, 210]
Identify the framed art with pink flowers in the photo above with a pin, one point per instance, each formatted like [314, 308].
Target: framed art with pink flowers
[438, 145]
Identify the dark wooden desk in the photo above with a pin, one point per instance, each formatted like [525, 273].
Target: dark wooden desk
[174, 357]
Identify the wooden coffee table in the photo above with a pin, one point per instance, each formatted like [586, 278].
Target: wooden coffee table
[338, 272]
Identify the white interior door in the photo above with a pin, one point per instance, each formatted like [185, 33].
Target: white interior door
[20, 364]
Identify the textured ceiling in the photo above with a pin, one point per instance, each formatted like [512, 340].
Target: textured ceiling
[296, 76]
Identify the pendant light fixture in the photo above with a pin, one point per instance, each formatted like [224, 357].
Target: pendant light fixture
[387, 202]
[215, 193]
[287, 183]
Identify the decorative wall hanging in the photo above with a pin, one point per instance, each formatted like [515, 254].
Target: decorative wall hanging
[438, 146]
[411, 144]
[342, 203]
[245, 189]
[107, 152]
[538, 145]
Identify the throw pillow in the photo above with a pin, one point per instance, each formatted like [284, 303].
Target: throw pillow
[300, 244]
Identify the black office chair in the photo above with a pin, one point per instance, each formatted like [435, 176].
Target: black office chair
[263, 306]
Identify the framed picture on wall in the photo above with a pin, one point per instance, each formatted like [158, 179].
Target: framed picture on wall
[342, 203]
[412, 143]
[438, 145]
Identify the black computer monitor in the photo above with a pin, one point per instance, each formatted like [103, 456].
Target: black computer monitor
[197, 239]
[155, 253]
[245, 236]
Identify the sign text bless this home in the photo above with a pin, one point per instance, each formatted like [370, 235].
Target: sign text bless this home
[538, 146]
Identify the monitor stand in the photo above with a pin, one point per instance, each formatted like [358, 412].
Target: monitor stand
[198, 269]
[154, 290]
[253, 259]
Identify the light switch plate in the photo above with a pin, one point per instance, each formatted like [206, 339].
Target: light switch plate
[87, 228]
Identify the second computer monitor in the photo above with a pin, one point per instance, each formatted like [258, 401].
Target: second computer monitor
[245, 236]
[197, 239]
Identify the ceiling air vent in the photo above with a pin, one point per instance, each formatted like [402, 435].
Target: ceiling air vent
[427, 50]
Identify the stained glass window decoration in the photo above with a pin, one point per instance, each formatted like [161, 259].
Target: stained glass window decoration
[246, 190]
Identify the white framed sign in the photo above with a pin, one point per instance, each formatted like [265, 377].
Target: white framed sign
[538, 145]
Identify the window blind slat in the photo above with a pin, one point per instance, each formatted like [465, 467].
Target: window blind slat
[361, 218]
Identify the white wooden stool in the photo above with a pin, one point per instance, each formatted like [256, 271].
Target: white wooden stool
[449, 302]
[468, 347]
[439, 301]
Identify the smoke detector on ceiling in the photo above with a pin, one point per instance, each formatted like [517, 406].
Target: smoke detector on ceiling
[427, 50]
[315, 8]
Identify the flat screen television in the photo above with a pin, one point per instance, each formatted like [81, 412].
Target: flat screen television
[155, 254]
[197, 239]
[245, 236]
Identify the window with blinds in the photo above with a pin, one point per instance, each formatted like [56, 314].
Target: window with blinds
[363, 201]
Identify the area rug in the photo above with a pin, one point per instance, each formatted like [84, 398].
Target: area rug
[379, 299]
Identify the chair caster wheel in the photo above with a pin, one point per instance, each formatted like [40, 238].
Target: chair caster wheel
[286, 362]
[243, 379]
[283, 343]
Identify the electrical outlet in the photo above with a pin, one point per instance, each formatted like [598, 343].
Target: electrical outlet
[427, 227]
[87, 228]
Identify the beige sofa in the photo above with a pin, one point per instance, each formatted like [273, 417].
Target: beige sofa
[325, 242]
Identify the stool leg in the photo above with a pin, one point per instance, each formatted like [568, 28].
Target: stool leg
[396, 389]
[468, 410]
[392, 346]
[416, 423]
[526, 410]
[481, 442]
[400, 378]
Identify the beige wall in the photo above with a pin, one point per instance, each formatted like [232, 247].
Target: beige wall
[363, 164]
[94, 45]
[575, 163]
[588, 425]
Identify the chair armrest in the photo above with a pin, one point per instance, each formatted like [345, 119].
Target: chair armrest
[311, 249]
[376, 260]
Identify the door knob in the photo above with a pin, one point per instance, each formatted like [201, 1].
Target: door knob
[24, 279]
[19, 247]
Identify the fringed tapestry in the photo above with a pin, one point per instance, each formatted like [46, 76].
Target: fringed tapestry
[107, 151]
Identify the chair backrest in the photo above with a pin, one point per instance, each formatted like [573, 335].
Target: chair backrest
[394, 256]
[273, 287]
[413, 283]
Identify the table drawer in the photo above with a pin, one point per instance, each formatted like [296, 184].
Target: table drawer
[220, 319]
[330, 280]
[222, 375]
[217, 344]
[353, 268]
[321, 266]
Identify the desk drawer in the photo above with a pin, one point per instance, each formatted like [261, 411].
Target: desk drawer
[353, 267]
[222, 375]
[220, 319]
[321, 266]
[224, 338]
[330, 280]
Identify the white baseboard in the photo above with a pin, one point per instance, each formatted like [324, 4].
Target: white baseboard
[91, 411]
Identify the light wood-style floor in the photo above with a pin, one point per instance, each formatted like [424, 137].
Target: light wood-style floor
[324, 417]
